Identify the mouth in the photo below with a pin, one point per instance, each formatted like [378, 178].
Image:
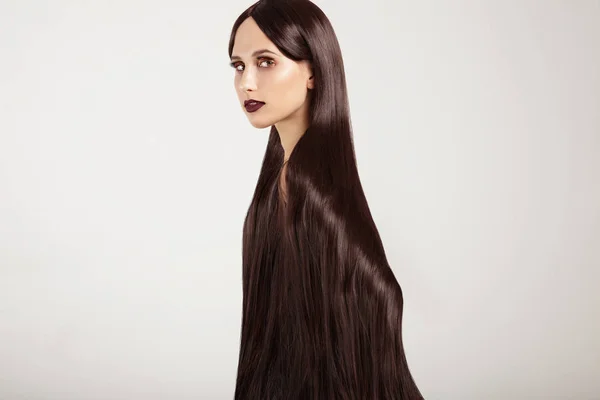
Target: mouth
[253, 105]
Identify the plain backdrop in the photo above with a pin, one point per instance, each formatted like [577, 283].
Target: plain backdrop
[127, 166]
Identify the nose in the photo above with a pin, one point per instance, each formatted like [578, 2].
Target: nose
[248, 81]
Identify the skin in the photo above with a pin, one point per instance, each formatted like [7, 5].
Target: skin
[281, 83]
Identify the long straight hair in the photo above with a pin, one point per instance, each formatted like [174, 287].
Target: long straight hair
[322, 309]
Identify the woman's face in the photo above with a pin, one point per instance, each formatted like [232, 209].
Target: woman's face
[264, 74]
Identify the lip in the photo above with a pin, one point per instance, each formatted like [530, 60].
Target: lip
[253, 105]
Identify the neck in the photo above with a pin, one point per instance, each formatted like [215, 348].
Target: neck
[291, 130]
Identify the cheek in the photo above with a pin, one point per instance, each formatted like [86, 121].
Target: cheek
[289, 88]
[293, 97]
[236, 85]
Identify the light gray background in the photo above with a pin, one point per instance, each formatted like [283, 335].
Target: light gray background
[127, 167]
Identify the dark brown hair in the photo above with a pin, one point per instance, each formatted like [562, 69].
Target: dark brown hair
[322, 309]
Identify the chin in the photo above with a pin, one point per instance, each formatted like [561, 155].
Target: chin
[260, 124]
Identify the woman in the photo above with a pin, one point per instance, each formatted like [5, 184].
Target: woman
[322, 310]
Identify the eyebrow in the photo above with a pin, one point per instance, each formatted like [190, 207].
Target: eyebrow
[257, 52]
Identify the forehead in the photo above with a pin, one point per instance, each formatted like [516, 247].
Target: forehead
[249, 38]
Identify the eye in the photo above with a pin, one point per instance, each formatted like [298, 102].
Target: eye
[235, 65]
[263, 60]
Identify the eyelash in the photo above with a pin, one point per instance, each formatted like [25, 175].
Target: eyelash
[234, 65]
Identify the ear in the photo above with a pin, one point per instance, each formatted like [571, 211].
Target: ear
[311, 83]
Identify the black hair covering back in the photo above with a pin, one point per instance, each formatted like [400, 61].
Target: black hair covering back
[322, 309]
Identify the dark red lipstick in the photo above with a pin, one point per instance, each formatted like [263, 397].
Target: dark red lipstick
[253, 105]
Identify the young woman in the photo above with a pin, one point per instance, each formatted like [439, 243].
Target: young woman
[322, 310]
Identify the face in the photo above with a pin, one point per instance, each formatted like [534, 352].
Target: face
[263, 73]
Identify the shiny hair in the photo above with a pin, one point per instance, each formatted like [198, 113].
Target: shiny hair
[322, 309]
